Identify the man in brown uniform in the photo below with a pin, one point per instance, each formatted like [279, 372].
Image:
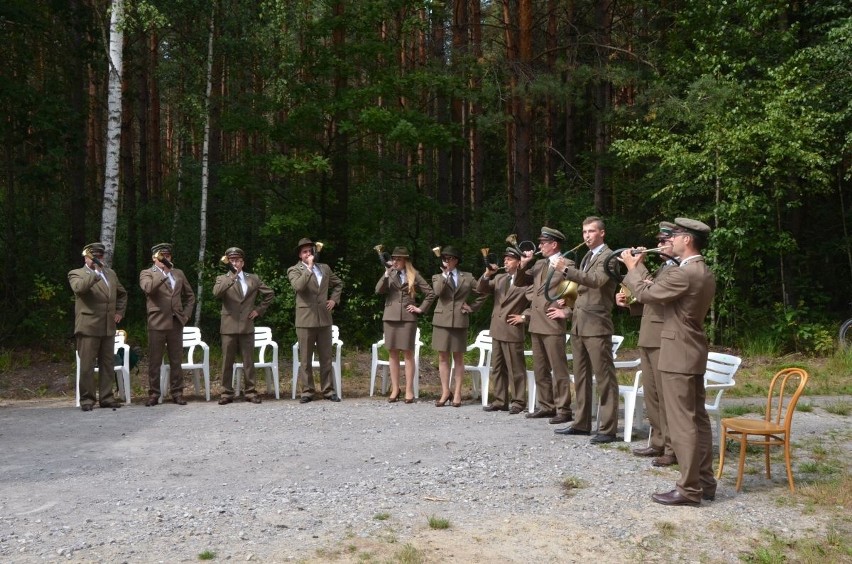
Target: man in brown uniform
[547, 329]
[239, 292]
[591, 336]
[649, 355]
[318, 291]
[169, 301]
[508, 370]
[686, 293]
[99, 303]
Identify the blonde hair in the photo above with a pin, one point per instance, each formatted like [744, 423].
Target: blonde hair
[411, 276]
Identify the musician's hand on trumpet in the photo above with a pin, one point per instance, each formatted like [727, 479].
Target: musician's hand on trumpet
[161, 259]
[632, 257]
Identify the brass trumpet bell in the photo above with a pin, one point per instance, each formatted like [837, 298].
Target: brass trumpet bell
[567, 290]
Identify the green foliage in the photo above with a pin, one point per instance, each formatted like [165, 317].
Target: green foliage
[793, 329]
[47, 310]
[206, 555]
[438, 523]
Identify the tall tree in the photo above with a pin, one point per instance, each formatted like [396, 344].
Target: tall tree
[113, 137]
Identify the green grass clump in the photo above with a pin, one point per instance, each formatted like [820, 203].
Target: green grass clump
[439, 523]
[207, 555]
[381, 516]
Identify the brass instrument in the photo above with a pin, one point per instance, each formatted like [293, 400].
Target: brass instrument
[384, 257]
[567, 289]
[159, 257]
[226, 261]
[317, 249]
[88, 254]
[437, 251]
[613, 271]
[523, 246]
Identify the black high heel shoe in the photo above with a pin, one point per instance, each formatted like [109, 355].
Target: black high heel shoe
[394, 399]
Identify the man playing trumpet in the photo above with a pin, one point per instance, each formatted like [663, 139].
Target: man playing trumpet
[170, 301]
[99, 303]
[318, 292]
[239, 292]
[508, 368]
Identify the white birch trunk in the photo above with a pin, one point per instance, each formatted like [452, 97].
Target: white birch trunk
[109, 214]
[205, 172]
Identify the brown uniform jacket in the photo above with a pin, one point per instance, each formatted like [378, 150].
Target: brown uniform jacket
[448, 309]
[397, 297]
[595, 297]
[686, 293]
[508, 300]
[534, 279]
[96, 304]
[311, 297]
[236, 307]
[163, 303]
[651, 327]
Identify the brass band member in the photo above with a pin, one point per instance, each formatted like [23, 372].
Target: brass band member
[99, 304]
[239, 292]
[318, 292]
[450, 322]
[508, 369]
[170, 301]
[686, 293]
[400, 284]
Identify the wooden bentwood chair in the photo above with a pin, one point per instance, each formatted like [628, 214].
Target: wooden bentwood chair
[774, 429]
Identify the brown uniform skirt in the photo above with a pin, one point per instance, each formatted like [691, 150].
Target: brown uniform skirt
[449, 339]
[399, 335]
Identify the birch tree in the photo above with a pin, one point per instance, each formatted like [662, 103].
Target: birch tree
[113, 138]
[205, 170]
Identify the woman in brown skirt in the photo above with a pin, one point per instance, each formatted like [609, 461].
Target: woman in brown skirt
[399, 284]
[450, 321]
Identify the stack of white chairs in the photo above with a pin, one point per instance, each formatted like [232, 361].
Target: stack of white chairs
[197, 360]
[262, 341]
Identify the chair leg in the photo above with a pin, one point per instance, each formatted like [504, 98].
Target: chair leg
[766, 457]
[787, 460]
[629, 406]
[723, 442]
[741, 465]
[275, 380]
[374, 367]
[484, 377]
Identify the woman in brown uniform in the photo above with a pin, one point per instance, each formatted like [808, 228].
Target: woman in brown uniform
[400, 284]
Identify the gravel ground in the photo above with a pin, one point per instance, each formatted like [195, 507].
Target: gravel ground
[282, 481]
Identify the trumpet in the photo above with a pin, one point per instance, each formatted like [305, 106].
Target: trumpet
[612, 269]
[523, 246]
[384, 257]
[489, 259]
[437, 251]
[159, 256]
[88, 254]
[317, 248]
[227, 263]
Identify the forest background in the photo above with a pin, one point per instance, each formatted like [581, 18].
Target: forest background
[254, 123]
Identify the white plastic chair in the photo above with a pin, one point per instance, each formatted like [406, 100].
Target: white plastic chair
[718, 377]
[192, 341]
[263, 341]
[336, 367]
[376, 362]
[482, 367]
[123, 369]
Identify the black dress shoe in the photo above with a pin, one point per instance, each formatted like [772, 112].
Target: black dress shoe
[112, 404]
[152, 401]
[86, 407]
[708, 497]
[674, 497]
[254, 399]
[515, 410]
[179, 400]
[540, 414]
[571, 431]
[225, 400]
[602, 439]
[305, 399]
[561, 419]
[647, 451]
[333, 397]
[493, 407]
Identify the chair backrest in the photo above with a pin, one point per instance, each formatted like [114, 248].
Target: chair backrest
[262, 336]
[191, 336]
[721, 368]
[120, 337]
[616, 342]
[782, 385]
[484, 343]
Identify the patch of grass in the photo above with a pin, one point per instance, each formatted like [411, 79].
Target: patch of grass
[740, 410]
[833, 492]
[666, 528]
[760, 344]
[832, 546]
[818, 468]
[5, 361]
[206, 555]
[571, 483]
[408, 554]
[438, 523]
[381, 516]
[839, 408]
[805, 407]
